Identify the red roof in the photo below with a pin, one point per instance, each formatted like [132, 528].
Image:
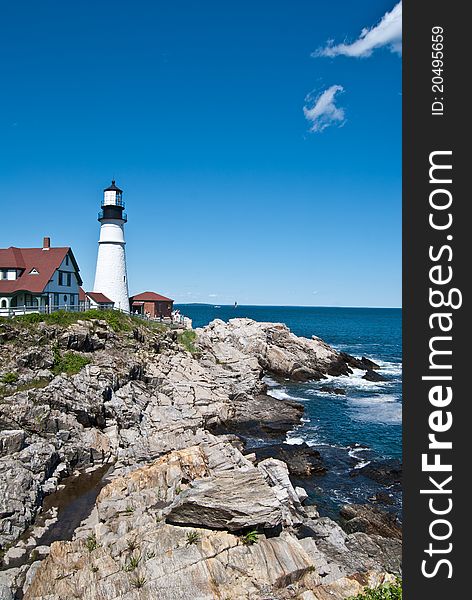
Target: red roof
[82, 295]
[150, 297]
[45, 262]
[99, 298]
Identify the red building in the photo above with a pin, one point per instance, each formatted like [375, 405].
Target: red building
[94, 300]
[151, 304]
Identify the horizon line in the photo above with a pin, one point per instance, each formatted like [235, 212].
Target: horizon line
[288, 305]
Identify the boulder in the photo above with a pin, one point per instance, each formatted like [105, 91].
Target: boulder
[359, 363]
[275, 473]
[386, 472]
[302, 461]
[36, 358]
[261, 416]
[301, 493]
[331, 389]
[371, 520]
[231, 501]
[371, 375]
[83, 338]
[11, 440]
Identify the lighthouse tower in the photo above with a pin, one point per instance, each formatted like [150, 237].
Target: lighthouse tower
[110, 275]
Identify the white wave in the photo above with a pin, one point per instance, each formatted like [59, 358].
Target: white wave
[353, 452]
[294, 440]
[372, 400]
[378, 409]
[390, 368]
[351, 381]
[269, 381]
[362, 463]
[303, 433]
[340, 496]
[282, 394]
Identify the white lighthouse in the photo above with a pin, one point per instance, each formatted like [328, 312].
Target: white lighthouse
[110, 275]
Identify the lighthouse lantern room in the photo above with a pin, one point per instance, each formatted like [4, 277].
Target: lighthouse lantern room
[110, 274]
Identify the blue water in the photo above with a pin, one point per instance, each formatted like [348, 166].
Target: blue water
[349, 430]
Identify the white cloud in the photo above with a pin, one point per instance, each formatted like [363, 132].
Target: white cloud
[388, 32]
[324, 111]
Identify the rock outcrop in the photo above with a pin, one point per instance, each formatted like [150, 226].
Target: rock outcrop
[185, 513]
[133, 551]
[272, 347]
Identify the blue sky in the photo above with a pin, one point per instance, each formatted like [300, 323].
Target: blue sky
[197, 110]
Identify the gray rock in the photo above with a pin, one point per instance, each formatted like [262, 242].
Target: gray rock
[13, 555]
[276, 475]
[301, 493]
[370, 519]
[11, 440]
[36, 358]
[371, 375]
[30, 574]
[231, 501]
[5, 592]
[274, 347]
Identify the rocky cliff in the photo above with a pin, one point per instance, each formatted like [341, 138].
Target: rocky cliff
[182, 512]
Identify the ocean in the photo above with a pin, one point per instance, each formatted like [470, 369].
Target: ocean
[350, 431]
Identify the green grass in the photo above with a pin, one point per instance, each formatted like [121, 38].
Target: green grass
[31, 385]
[387, 591]
[138, 582]
[192, 538]
[250, 538]
[133, 563]
[91, 542]
[10, 378]
[187, 340]
[69, 362]
[116, 320]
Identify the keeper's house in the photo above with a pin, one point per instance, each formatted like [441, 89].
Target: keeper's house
[94, 300]
[38, 279]
[152, 305]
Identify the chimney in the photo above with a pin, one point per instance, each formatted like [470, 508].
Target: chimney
[46, 243]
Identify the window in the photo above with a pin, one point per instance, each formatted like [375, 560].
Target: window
[3, 274]
[65, 278]
[67, 259]
[30, 300]
[34, 271]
